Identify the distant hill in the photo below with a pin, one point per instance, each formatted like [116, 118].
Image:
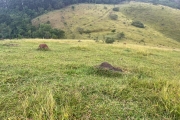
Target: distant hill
[170, 3]
[164, 19]
[92, 21]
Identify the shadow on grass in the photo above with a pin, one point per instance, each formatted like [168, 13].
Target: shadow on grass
[104, 72]
[75, 69]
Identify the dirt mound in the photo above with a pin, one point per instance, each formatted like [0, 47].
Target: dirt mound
[107, 66]
[43, 47]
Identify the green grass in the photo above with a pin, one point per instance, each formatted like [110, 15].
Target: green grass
[63, 83]
[161, 18]
[161, 25]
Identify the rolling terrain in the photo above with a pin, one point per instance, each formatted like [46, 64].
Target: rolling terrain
[164, 19]
[160, 30]
[64, 81]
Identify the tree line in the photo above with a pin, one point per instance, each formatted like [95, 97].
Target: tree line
[16, 16]
[36, 7]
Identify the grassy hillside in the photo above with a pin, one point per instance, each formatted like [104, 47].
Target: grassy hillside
[163, 19]
[95, 20]
[63, 83]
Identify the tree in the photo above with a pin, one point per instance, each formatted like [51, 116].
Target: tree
[80, 30]
[138, 24]
[73, 7]
[116, 9]
[113, 31]
[5, 31]
[120, 36]
[109, 40]
[113, 16]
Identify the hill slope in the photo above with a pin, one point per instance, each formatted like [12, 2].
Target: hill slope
[164, 19]
[95, 21]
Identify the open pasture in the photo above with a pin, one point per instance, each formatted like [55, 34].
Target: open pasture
[63, 82]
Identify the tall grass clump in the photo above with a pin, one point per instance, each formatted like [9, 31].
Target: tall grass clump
[158, 99]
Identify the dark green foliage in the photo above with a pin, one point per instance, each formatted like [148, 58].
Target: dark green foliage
[80, 30]
[32, 6]
[16, 16]
[138, 24]
[120, 35]
[73, 7]
[113, 16]
[116, 9]
[5, 18]
[45, 31]
[114, 30]
[109, 40]
[19, 26]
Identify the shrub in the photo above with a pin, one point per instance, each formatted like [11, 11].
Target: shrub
[48, 22]
[120, 35]
[80, 30]
[114, 30]
[65, 23]
[105, 7]
[109, 40]
[72, 7]
[113, 16]
[138, 24]
[116, 9]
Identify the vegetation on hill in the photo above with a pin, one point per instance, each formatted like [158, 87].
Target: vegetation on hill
[89, 21]
[63, 83]
[16, 15]
[160, 18]
[138, 24]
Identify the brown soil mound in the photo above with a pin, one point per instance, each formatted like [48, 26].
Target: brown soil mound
[43, 46]
[107, 66]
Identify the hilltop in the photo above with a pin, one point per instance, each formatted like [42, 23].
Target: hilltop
[94, 22]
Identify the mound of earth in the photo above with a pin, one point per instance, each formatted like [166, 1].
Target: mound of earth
[108, 66]
[43, 47]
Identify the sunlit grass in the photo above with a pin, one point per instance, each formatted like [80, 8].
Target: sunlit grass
[63, 83]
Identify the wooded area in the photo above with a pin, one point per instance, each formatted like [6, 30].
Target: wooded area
[16, 15]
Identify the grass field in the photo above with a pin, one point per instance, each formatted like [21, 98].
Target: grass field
[64, 84]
